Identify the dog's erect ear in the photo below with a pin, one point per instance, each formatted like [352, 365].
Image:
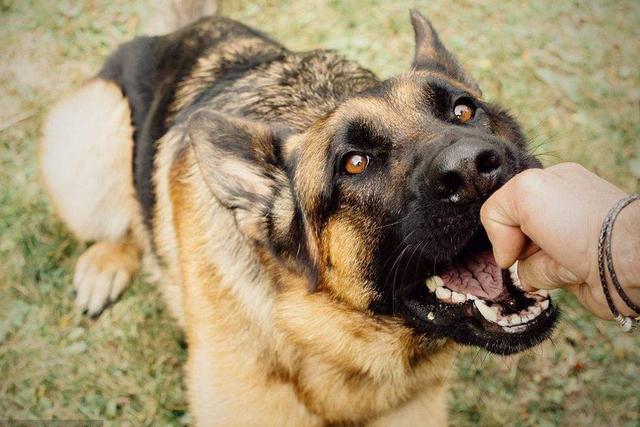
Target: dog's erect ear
[430, 53]
[240, 162]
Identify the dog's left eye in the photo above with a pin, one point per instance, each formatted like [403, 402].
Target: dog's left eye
[464, 112]
[355, 163]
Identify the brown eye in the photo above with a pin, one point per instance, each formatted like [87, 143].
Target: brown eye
[356, 163]
[463, 112]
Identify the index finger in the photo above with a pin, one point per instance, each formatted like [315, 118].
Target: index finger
[500, 218]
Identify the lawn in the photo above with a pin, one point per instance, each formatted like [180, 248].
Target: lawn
[569, 70]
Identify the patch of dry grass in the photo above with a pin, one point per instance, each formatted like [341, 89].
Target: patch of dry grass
[569, 70]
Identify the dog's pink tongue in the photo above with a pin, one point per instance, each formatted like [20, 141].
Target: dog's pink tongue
[479, 276]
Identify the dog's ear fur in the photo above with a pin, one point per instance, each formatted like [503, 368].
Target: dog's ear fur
[241, 163]
[430, 53]
[239, 160]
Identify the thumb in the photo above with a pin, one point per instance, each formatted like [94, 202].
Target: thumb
[539, 271]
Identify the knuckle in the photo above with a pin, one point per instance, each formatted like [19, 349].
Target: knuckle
[569, 167]
[526, 193]
[528, 179]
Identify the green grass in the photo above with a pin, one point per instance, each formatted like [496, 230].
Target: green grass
[570, 71]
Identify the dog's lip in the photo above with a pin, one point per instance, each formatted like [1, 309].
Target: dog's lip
[480, 322]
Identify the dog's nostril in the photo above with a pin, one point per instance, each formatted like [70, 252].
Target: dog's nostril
[449, 183]
[488, 161]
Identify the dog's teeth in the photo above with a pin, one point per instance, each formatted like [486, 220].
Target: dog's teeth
[544, 304]
[513, 272]
[471, 297]
[503, 322]
[535, 310]
[514, 319]
[514, 329]
[457, 298]
[434, 282]
[486, 311]
[525, 315]
[443, 293]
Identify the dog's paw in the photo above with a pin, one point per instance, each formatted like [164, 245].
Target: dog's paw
[102, 273]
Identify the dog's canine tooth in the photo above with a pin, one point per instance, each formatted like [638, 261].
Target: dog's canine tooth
[535, 310]
[496, 310]
[434, 282]
[443, 293]
[514, 269]
[513, 272]
[503, 322]
[486, 311]
[457, 297]
[471, 297]
[544, 304]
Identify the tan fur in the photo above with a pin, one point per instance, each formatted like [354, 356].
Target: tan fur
[163, 267]
[346, 241]
[103, 272]
[85, 161]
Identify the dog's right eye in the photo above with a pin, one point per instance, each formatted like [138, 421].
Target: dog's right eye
[463, 112]
[355, 163]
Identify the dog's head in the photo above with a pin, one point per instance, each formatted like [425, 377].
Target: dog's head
[378, 202]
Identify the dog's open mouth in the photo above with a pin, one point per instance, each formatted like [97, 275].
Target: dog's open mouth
[473, 301]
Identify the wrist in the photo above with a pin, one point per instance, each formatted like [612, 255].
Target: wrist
[626, 246]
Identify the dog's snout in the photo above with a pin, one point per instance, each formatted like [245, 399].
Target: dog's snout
[465, 171]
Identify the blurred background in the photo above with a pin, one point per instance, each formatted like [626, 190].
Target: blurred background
[568, 70]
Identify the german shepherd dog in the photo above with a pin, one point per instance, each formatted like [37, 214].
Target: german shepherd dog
[313, 229]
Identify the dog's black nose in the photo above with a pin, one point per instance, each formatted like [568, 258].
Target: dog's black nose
[465, 171]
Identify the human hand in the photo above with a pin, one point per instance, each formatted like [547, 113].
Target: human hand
[550, 219]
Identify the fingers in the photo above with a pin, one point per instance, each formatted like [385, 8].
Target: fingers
[539, 271]
[560, 209]
[499, 216]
